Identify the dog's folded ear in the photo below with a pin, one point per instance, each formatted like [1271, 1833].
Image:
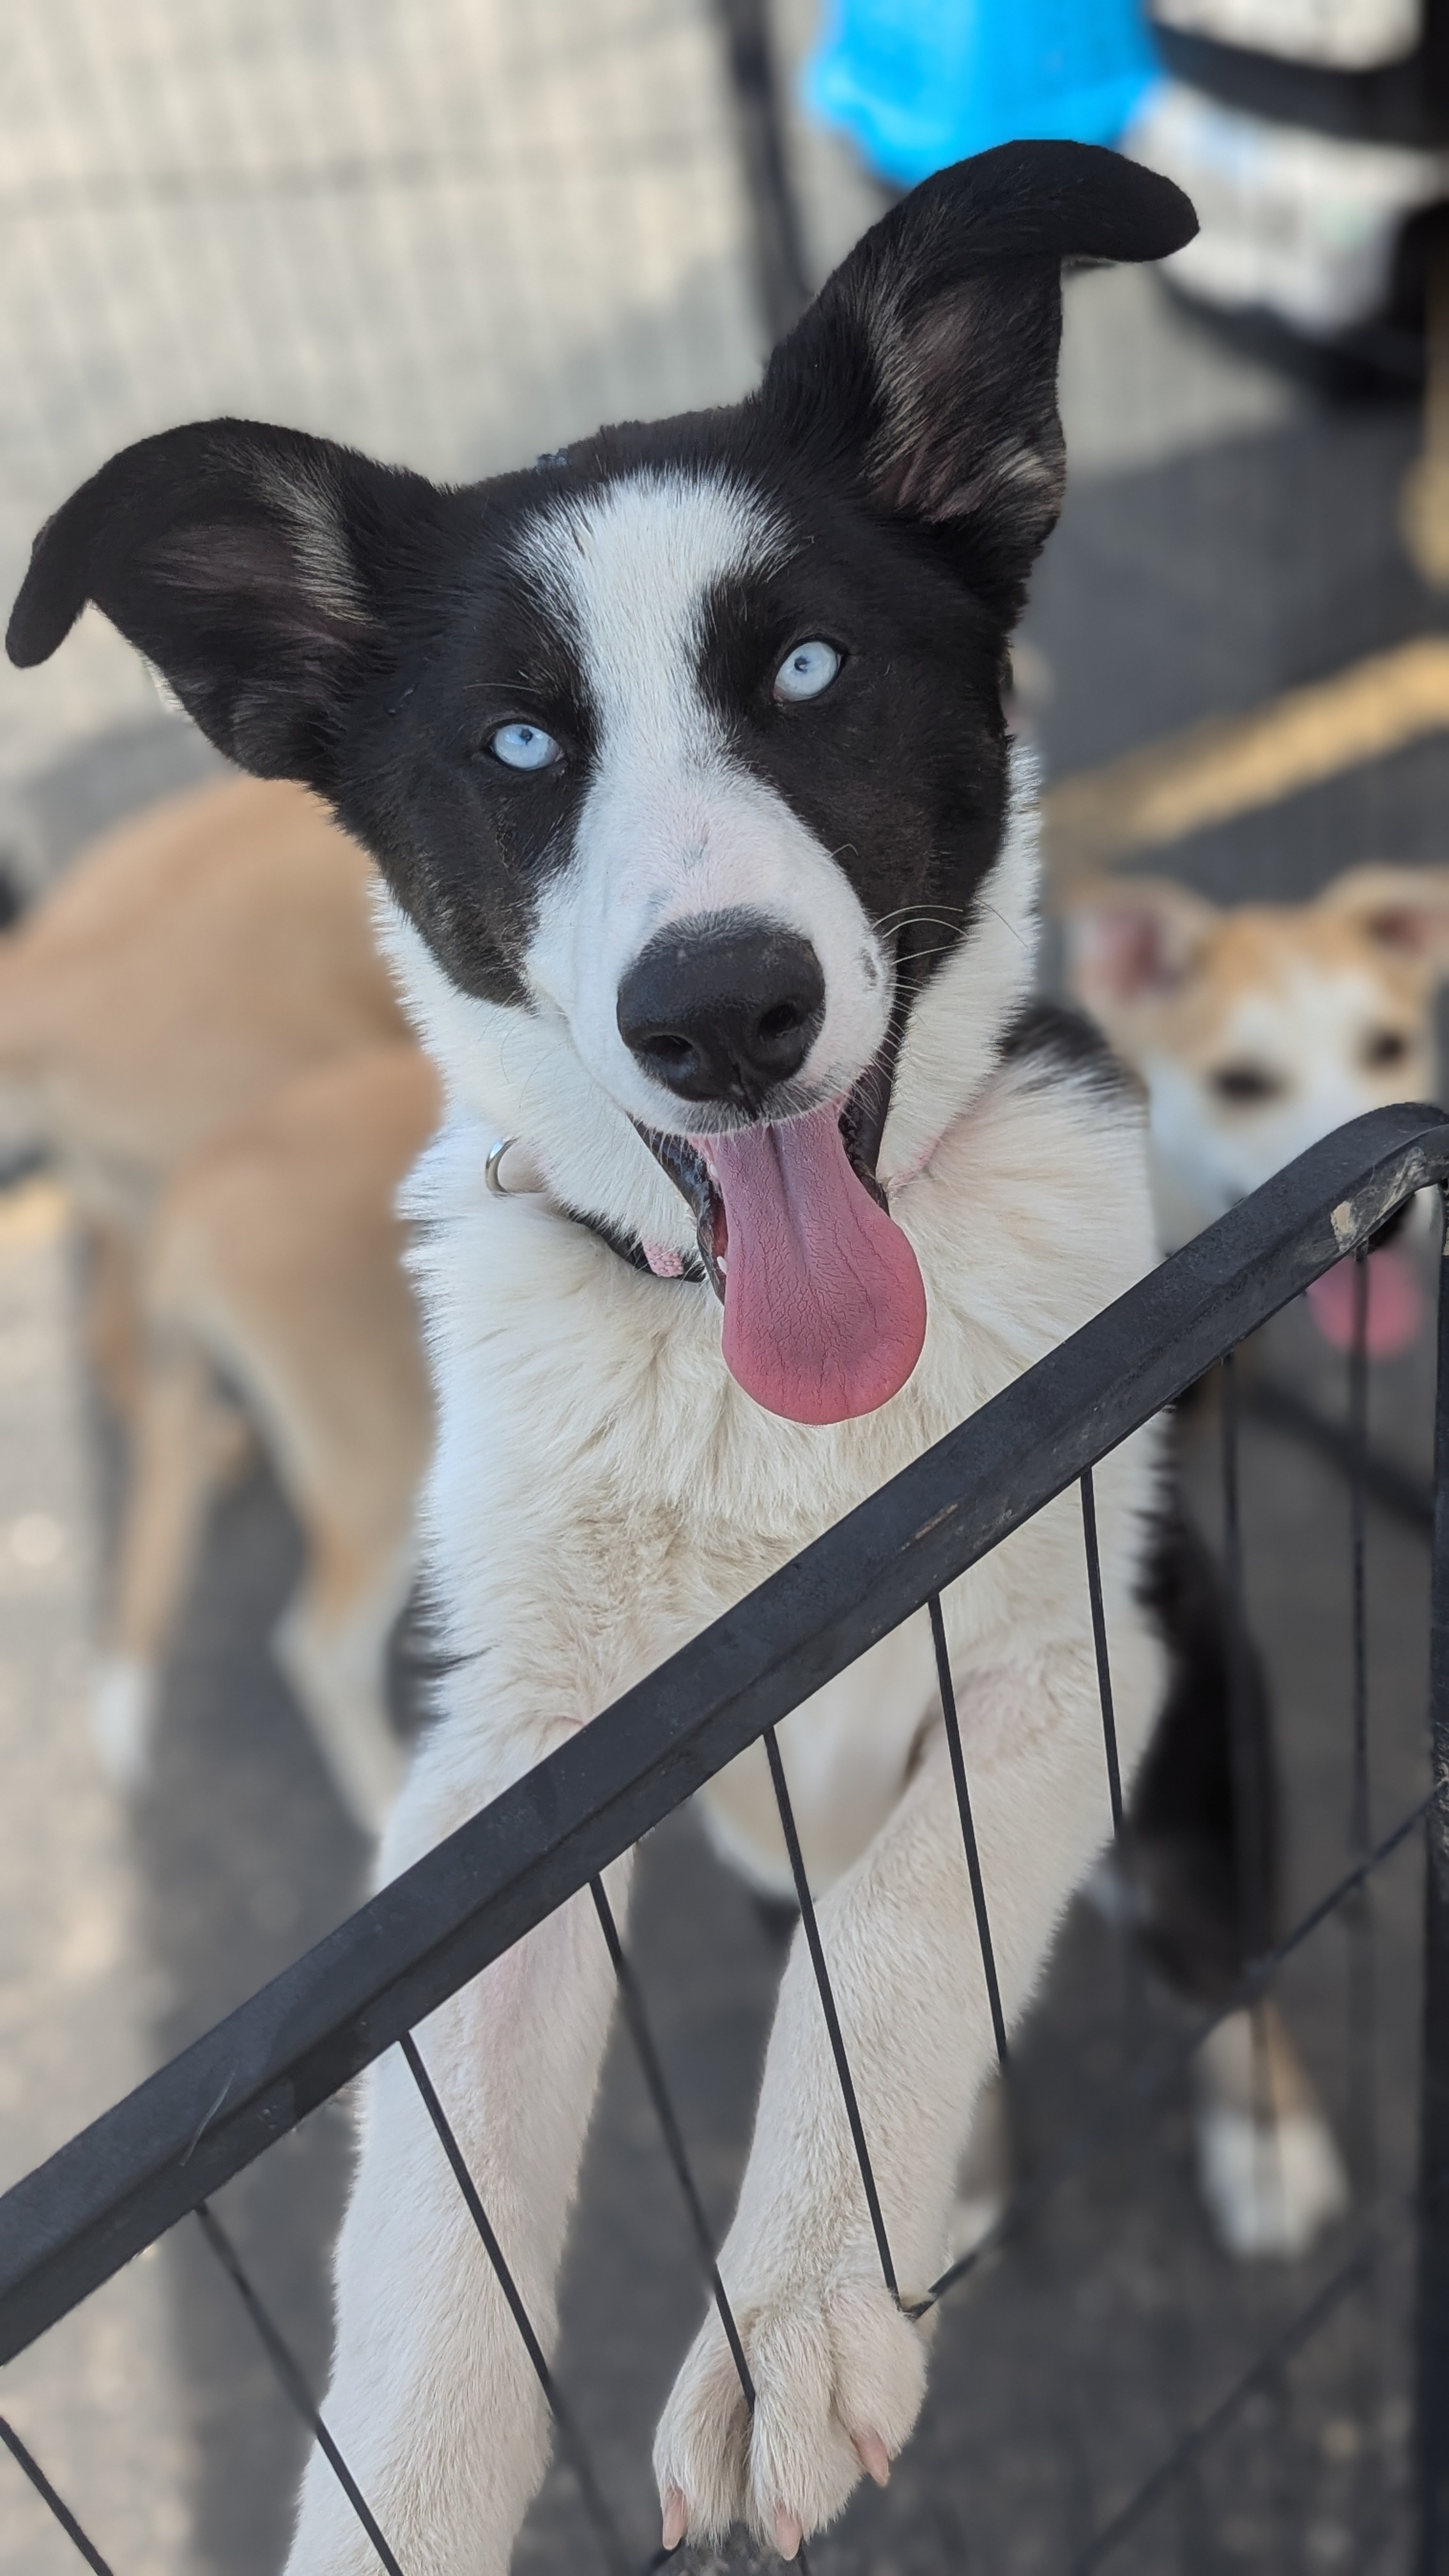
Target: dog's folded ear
[926, 367]
[245, 563]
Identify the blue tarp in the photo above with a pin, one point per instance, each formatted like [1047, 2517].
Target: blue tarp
[918, 83]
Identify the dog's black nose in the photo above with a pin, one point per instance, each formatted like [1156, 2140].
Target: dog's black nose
[723, 1007]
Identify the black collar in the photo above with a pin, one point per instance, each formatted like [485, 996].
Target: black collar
[629, 1248]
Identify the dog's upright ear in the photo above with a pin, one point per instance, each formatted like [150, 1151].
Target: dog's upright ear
[1401, 911]
[248, 565]
[927, 365]
[1132, 944]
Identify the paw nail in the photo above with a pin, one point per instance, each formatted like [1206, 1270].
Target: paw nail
[874, 2458]
[788, 2533]
[676, 2518]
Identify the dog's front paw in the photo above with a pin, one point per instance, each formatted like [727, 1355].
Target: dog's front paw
[839, 2374]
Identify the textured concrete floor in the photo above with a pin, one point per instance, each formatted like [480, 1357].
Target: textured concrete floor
[79, 1983]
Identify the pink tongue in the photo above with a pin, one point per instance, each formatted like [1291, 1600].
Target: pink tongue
[1395, 1304]
[825, 1312]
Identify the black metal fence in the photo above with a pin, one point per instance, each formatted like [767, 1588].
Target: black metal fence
[161, 2153]
[453, 235]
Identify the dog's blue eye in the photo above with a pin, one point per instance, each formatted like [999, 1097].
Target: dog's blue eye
[524, 746]
[806, 671]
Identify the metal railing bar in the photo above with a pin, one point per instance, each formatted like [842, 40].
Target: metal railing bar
[826, 1993]
[1189, 2450]
[1249, 1757]
[1276, 1407]
[605, 2529]
[1360, 1819]
[47, 2494]
[1431, 2288]
[1133, 1991]
[1361, 2137]
[1249, 1762]
[664, 2112]
[781, 285]
[123, 2181]
[1358, 1918]
[1099, 1642]
[1130, 1959]
[1167, 2358]
[284, 2363]
[968, 1827]
[1251, 1824]
[1159, 2066]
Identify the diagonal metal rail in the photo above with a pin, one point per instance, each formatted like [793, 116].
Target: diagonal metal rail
[76, 2220]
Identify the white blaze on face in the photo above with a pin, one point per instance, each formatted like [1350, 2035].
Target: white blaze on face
[672, 826]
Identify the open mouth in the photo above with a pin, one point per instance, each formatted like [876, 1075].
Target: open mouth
[1394, 1307]
[688, 1160]
[825, 1311]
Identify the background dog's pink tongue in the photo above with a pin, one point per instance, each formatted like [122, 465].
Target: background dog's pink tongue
[825, 1311]
[1396, 1303]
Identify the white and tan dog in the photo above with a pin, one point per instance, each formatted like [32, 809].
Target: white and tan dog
[1255, 1030]
[683, 757]
[1258, 1029]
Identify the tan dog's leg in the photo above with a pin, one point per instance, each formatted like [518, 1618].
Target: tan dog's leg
[175, 1455]
[111, 1316]
[332, 1645]
[279, 1251]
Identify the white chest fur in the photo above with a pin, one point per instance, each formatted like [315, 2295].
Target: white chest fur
[603, 1489]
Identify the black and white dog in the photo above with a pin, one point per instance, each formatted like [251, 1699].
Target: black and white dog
[713, 893]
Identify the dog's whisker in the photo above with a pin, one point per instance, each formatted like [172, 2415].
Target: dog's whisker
[1006, 925]
[922, 911]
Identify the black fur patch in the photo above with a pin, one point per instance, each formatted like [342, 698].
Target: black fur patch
[326, 619]
[1060, 1041]
[1203, 1830]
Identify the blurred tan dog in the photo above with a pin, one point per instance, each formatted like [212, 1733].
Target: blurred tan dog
[1255, 1031]
[1258, 1030]
[183, 968]
[197, 1025]
[274, 1271]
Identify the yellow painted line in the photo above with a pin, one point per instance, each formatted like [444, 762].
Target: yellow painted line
[1232, 765]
